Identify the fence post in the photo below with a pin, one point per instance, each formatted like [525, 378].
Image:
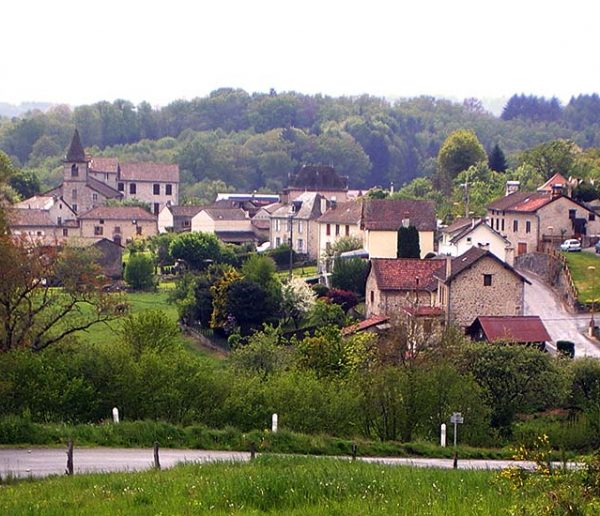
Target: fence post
[252, 450]
[354, 451]
[69, 470]
[156, 458]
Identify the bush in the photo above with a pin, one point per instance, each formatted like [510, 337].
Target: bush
[344, 298]
[320, 290]
[350, 274]
[139, 272]
[281, 255]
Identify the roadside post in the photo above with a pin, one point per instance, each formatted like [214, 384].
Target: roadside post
[115, 415]
[456, 419]
[443, 435]
[274, 421]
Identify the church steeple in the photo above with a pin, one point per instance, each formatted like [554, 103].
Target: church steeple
[76, 153]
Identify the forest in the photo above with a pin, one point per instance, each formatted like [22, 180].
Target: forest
[234, 140]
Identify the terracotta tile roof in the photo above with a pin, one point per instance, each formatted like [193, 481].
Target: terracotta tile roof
[150, 171]
[75, 151]
[118, 213]
[556, 180]
[101, 164]
[226, 213]
[388, 214]
[522, 329]
[374, 320]
[424, 311]
[344, 213]
[37, 202]
[262, 224]
[34, 217]
[521, 201]
[402, 273]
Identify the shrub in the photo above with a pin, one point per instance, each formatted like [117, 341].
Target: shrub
[320, 290]
[566, 347]
[344, 298]
[139, 272]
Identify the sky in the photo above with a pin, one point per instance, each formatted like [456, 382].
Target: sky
[76, 52]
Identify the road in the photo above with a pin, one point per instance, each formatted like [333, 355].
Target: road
[560, 323]
[42, 462]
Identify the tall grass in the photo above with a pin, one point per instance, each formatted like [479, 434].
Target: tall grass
[268, 485]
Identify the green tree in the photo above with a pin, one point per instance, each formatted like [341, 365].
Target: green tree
[250, 304]
[297, 299]
[139, 272]
[350, 274]
[408, 243]
[26, 183]
[459, 151]
[149, 330]
[263, 355]
[197, 250]
[497, 159]
[552, 157]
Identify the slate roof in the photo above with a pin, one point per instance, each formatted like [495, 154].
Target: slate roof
[101, 164]
[150, 171]
[318, 177]
[75, 152]
[185, 210]
[25, 217]
[387, 214]
[523, 329]
[102, 188]
[309, 207]
[344, 213]
[402, 273]
[468, 259]
[118, 213]
[226, 213]
[236, 236]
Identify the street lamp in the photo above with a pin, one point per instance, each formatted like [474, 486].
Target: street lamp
[592, 269]
[291, 242]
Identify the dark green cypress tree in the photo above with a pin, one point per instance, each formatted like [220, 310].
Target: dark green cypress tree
[497, 159]
[408, 243]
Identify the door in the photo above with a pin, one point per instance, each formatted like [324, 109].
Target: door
[521, 248]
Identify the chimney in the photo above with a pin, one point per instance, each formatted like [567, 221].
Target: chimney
[556, 191]
[448, 266]
[512, 187]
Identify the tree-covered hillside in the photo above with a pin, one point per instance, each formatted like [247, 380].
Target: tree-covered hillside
[236, 140]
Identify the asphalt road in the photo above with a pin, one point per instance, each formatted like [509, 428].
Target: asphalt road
[41, 462]
[560, 323]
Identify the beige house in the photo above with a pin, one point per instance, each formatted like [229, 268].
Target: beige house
[382, 218]
[527, 218]
[120, 224]
[464, 233]
[341, 220]
[49, 217]
[230, 225]
[478, 283]
[177, 218]
[298, 221]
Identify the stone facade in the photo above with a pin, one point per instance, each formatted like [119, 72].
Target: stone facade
[384, 244]
[390, 302]
[485, 288]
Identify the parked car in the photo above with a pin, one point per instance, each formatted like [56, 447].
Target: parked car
[571, 245]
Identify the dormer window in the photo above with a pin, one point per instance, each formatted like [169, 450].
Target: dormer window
[74, 170]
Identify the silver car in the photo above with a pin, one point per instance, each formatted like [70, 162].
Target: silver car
[571, 245]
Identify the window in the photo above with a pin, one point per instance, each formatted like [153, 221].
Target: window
[74, 194]
[156, 189]
[277, 225]
[277, 242]
[289, 225]
[101, 221]
[138, 230]
[592, 217]
[98, 230]
[515, 226]
[117, 229]
[74, 170]
[132, 188]
[337, 230]
[572, 214]
[156, 208]
[347, 230]
[300, 245]
[186, 223]
[299, 226]
[65, 232]
[328, 229]
[94, 197]
[121, 187]
[527, 227]
[168, 189]
[59, 221]
[372, 296]
[74, 206]
[487, 280]
[427, 325]
[469, 240]
[502, 224]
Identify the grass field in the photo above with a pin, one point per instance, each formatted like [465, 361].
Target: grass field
[586, 281]
[300, 272]
[271, 485]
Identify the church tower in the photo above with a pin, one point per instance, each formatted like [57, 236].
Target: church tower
[75, 176]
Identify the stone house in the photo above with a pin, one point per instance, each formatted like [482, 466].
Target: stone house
[398, 283]
[526, 219]
[341, 220]
[177, 218]
[297, 220]
[121, 224]
[230, 225]
[382, 218]
[478, 283]
[49, 217]
[464, 233]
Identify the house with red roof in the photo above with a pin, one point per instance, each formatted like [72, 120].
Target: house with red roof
[526, 329]
[120, 224]
[526, 219]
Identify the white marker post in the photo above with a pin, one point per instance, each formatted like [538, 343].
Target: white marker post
[115, 413]
[274, 423]
[443, 435]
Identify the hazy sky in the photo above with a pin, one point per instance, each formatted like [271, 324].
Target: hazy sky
[79, 52]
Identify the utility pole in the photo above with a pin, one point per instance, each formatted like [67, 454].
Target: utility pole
[291, 228]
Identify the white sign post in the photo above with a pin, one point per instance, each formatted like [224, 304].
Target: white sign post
[443, 435]
[274, 423]
[115, 414]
